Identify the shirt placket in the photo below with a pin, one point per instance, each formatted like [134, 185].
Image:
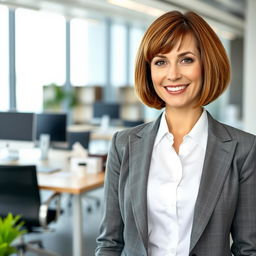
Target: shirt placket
[175, 181]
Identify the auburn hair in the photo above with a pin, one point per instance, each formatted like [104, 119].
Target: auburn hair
[162, 35]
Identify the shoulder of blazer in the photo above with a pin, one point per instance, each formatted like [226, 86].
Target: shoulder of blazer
[148, 129]
[226, 132]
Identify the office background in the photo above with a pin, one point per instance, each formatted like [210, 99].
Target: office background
[93, 44]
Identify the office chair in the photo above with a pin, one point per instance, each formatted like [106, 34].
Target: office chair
[130, 123]
[19, 195]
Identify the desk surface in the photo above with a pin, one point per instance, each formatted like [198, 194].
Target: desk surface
[63, 180]
[96, 132]
[70, 183]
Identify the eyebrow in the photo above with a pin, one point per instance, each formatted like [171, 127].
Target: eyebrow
[179, 55]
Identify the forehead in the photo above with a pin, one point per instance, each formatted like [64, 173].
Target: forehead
[179, 43]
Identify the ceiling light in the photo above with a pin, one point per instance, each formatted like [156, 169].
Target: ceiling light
[129, 4]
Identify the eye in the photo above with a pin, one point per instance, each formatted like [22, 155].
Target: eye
[159, 62]
[187, 60]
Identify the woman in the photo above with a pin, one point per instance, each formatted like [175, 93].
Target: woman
[182, 184]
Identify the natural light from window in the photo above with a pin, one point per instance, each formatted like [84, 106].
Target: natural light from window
[4, 60]
[40, 56]
[88, 52]
[118, 55]
[135, 38]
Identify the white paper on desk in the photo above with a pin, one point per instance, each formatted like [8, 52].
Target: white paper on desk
[81, 166]
[78, 165]
[63, 174]
[79, 151]
[94, 164]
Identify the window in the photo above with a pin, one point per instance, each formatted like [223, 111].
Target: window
[135, 38]
[88, 52]
[4, 60]
[40, 56]
[118, 55]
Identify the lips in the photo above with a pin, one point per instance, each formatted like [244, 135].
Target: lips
[175, 89]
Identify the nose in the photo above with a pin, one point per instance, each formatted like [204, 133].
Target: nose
[173, 73]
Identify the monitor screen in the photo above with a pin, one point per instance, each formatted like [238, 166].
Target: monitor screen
[112, 110]
[54, 124]
[17, 126]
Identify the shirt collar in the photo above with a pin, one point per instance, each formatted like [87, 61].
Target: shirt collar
[162, 130]
[198, 133]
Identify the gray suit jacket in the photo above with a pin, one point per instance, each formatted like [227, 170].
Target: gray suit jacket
[226, 201]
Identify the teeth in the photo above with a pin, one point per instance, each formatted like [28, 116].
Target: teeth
[175, 89]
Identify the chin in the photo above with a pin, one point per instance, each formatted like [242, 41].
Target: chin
[179, 106]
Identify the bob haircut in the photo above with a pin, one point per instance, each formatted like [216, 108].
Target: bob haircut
[162, 35]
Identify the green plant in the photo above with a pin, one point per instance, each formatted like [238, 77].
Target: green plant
[55, 95]
[10, 228]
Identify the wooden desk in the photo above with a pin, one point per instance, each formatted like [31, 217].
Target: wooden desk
[96, 132]
[65, 181]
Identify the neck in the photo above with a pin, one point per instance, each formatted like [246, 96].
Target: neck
[181, 121]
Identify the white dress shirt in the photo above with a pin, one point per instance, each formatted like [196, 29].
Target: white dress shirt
[173, 186]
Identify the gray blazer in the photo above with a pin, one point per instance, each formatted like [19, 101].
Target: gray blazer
[226, 201]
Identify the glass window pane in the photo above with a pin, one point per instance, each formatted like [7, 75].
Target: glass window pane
[78, 51]
[40, 55]
[88, 52]
[118, 55]
[135, 38]
[4, 60]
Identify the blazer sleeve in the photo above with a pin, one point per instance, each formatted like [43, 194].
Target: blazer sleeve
[110, 241]
[244, 224]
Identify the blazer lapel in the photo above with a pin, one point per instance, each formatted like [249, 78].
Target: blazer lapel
[219, 154]
[140, 151]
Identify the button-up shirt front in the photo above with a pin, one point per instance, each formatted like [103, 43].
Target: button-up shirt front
[173, 186]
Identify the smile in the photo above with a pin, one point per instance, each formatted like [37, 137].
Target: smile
[176, 89]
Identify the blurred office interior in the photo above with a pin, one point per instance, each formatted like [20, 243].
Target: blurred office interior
[67, 55]
[90, 47]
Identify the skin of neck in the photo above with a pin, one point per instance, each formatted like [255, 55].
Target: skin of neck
[181, 121]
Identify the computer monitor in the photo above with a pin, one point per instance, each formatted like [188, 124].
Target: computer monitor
[54, 124]
[82, 137]
[106, 112]
[17, 131]
[101, 109]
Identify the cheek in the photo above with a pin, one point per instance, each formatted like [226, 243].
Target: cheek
[153, 76]
[156, 80]
[156, 77]
[156, 87]
[195, 75]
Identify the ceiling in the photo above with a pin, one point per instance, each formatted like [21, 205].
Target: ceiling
[234, 7]
[230, 14]
[226, 14]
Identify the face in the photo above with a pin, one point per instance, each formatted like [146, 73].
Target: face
[177, 75]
